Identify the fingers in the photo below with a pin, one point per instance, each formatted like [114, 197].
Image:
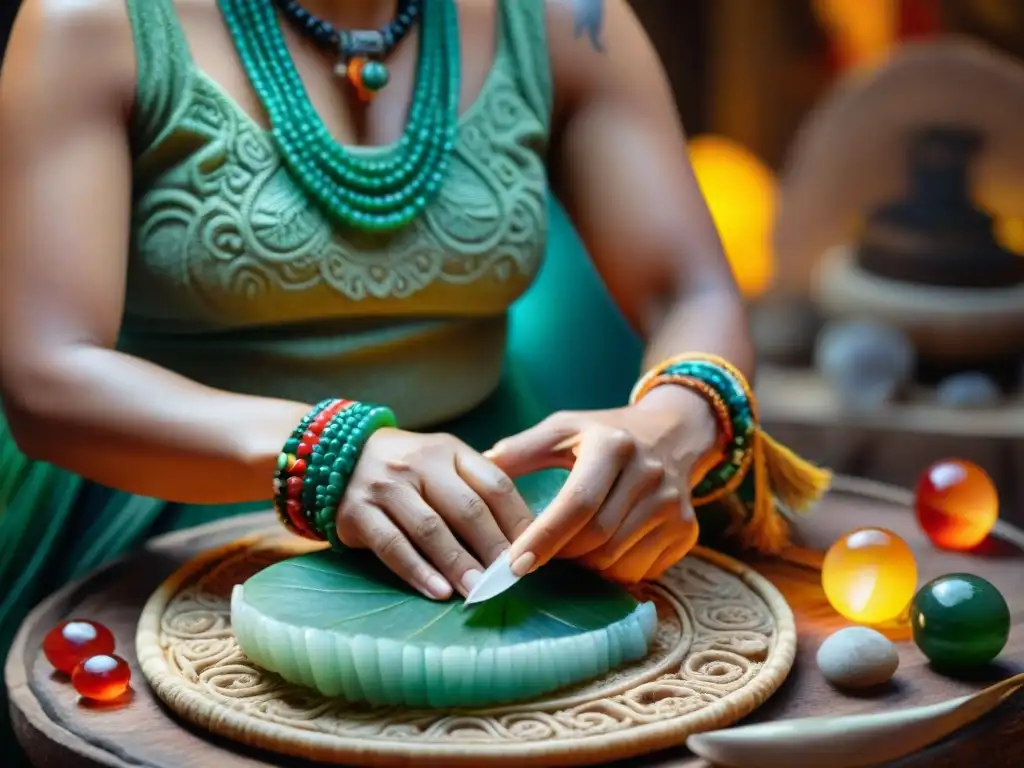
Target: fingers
[676, 552]
[639, 479]
[499, 493]
[424, 523]
[647, 515]
[637, 562]
[540, 447]
[371, 526]
[670, 533]
[599, 460]
[467, 514]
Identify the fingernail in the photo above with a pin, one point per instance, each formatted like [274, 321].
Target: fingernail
[470, 578]
[524, 564]
[438, 587]
[490, 453]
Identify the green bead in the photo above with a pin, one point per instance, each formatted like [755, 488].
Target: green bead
[348, 186]
[960, 621]
[375, 75]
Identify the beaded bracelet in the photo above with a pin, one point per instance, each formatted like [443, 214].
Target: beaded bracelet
[317, 461]
[704, 475]
[292, 464]
[343, 440]
[713, 383]
[753, 470]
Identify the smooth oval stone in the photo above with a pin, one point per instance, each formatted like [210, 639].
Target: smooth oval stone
[960, 621]
[857, 657]
[971, 389]
[865, 362]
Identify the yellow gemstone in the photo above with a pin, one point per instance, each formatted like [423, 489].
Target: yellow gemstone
[869, 575]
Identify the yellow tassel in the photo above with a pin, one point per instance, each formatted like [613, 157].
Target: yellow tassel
[780, 476]
[794, 481]
[766, 530]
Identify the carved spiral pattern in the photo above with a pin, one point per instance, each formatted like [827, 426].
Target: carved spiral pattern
[715, 637]
[227, 226]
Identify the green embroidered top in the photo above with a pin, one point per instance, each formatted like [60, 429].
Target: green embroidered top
[236, 280]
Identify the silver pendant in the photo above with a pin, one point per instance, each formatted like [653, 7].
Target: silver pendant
[362, 44]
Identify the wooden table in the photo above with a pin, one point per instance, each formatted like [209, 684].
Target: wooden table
[57, 730]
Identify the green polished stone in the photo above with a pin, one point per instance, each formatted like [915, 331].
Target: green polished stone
[960, 621]
[375, 75]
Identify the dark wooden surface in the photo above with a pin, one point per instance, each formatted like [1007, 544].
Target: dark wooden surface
[57, 730]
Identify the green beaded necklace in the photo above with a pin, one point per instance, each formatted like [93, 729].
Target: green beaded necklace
[383, 190]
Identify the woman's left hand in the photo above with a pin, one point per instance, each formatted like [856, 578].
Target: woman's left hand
[625, 509]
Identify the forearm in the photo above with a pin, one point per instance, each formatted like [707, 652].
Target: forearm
[134, 426]
[712, 321]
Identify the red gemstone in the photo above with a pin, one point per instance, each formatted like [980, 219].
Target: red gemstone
[294, 487]
[102, 678]
[957, 504]
[310, 437]
[293, 508]
[298, 468]
[303, 450]
[67, 644]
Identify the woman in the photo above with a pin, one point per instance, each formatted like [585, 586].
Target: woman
[179, 283]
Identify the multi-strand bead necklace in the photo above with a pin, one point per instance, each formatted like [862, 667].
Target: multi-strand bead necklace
[377, 191]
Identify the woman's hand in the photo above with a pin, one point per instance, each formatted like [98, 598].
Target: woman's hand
[435, 511]
[625, 509]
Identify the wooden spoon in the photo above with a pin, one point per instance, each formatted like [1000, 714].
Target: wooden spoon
[847, 741]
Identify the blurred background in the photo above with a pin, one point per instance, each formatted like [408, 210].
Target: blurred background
[865, 164]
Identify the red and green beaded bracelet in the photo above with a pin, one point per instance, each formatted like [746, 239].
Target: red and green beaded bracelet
[343, 441]
[317, 461]
[292, 464]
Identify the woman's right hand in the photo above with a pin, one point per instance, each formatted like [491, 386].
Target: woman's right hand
[435, 511]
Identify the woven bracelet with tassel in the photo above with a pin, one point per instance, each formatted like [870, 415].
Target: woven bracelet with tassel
[763, 475]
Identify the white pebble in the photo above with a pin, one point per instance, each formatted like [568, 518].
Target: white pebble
[857, 657]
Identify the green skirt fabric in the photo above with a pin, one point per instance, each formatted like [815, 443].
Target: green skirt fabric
[568, 349]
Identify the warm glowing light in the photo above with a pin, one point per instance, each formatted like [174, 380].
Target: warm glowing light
[869, 575]
[864, 30]
[741, 193]
[1010, 234]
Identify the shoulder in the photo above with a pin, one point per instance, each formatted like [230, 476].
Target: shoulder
[71, 53]
[589, 40]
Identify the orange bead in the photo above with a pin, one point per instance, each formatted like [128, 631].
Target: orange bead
[70, 642]
[355, 76]
[957, 504]
[869, 575]
[102, 678]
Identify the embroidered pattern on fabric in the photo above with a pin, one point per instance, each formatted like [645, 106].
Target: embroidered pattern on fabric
[226, 226]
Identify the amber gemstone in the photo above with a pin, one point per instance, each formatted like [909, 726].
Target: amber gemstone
[869, 575]
[957, 504]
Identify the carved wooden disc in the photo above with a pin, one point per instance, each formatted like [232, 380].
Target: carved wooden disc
[725, 642]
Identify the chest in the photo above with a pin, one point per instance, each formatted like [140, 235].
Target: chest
[223, 236]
